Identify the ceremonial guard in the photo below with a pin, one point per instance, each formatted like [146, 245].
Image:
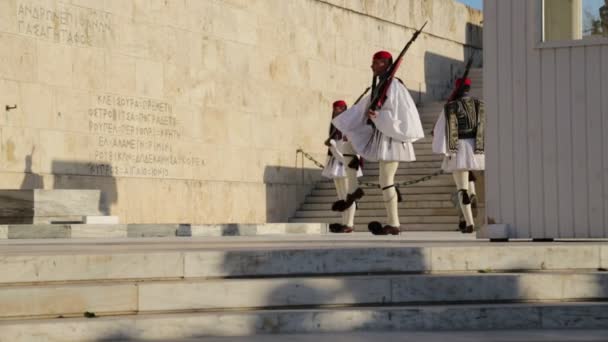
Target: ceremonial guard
[459, 136]
[343, 167]
[462, 223]
[382, 127]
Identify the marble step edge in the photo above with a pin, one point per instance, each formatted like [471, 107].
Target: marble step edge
[66, 231]
[29, 266]
[581, 315]
[379, 204]
[361, 225]
[405, 220]
[370, 214]
[48, 300]
[415, 189]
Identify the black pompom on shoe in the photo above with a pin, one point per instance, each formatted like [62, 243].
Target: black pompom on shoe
[462, 225]
[376, 228]
[343, 205]
[340, 228]
[469, 229]
[335, 228]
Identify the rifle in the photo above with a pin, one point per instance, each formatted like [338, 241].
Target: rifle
[379, 94]
[467, 68]
[456, 90]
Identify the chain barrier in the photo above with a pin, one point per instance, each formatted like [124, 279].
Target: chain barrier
[309, 157]
[373, 184]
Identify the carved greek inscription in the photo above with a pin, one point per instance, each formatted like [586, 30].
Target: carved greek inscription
[137, 137]
[64, 23]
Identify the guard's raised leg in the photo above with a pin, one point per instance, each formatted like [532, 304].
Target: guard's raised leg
[461, 178]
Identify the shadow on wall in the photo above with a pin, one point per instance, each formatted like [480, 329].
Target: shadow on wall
[76, 175]
[286, 190]
[31, 180]
[441, 71]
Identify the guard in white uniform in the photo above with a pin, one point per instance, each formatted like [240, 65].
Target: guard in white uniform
[386, 136]
[459, 136]
[339, 156]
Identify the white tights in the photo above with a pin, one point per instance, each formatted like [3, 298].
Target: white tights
[347, 185]
[461, 178]
[388, 169]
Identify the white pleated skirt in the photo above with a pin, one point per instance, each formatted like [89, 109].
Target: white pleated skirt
[376, 146]
[335, 169]
[465, 158]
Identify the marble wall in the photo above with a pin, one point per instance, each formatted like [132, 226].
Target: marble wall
[192, 110]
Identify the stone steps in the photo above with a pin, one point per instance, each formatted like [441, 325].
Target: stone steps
[227, 286]
[371, 198]
[366, 213]
[218, 257]
[424, 152]
[582, 315]
[423, 143]
[361, 227]
[427, 158]
[407, 222]
[411, 171]
[440, 180]
[379, 204]
[376, 215]
[150, 296]
[437, 180]
[415, 168]
[434, 165]
[434, 160]
[427, 206]
[420, 189]
[428, 122]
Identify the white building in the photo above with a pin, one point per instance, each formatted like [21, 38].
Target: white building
[546, 90]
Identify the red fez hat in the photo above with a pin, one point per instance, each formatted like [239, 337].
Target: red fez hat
[339, 103]
[467, 82]
[383, 55]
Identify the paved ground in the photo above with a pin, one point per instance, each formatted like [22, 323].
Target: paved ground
[479, 336]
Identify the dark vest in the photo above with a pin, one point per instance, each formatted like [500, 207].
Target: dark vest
[465, 119]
